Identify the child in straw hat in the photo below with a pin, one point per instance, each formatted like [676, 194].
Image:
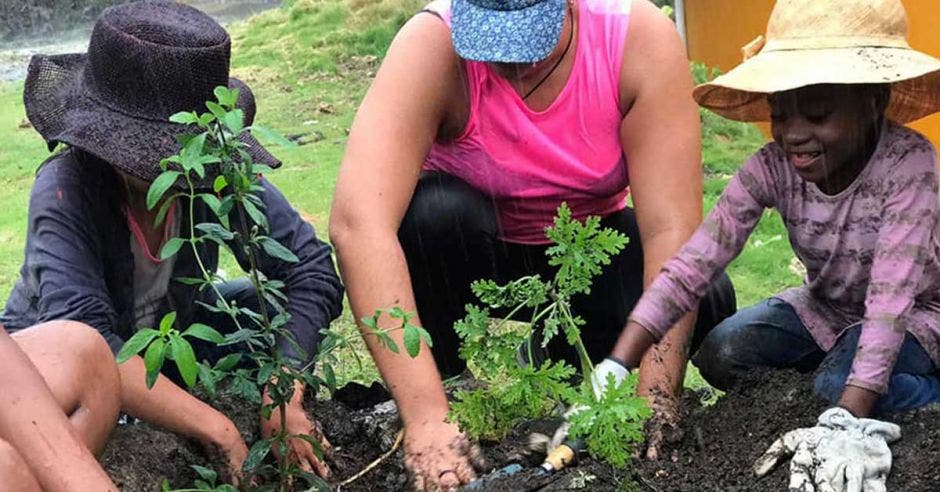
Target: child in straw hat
[858, 195]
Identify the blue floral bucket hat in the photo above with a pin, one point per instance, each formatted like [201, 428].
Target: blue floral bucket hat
[507, 31]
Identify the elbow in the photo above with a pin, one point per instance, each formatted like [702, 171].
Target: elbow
[342, 230]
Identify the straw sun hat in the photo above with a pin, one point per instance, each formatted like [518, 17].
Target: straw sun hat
[829, 42]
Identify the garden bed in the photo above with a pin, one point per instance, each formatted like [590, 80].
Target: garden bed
[719, 446]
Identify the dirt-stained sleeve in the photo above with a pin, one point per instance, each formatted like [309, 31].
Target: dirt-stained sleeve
[909, 216]
[685, 278]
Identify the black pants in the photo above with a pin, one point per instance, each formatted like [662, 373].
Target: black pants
[449, 236]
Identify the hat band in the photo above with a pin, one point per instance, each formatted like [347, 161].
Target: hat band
[835, 42]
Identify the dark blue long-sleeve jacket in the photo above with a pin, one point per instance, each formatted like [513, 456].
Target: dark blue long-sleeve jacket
[79, 266]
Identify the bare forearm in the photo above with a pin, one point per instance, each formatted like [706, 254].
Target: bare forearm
[376, 277]
[663, 366]
[34, 424]
[169, 406]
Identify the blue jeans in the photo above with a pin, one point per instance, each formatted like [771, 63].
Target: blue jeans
[770, 334]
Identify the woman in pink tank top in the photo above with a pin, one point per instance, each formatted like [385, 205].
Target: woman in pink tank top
[485, 116]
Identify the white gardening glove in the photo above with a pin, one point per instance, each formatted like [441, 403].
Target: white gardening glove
[600, 378]
[599, 382]
[841, 454]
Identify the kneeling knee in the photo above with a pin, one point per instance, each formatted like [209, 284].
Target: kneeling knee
[715, 361]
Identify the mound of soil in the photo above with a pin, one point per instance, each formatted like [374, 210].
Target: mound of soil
[715, 454]
[723, 441]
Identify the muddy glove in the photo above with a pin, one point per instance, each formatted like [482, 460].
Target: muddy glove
[842, 453]
[599, 382]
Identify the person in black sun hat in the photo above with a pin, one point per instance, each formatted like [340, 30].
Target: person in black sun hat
[93, 245]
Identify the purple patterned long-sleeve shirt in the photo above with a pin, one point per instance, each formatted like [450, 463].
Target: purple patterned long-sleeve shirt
[870, 252]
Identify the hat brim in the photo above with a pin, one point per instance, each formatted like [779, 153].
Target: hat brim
[62, 111]
[507, 36]
[741, 94]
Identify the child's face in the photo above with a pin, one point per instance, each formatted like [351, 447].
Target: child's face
[828, 131]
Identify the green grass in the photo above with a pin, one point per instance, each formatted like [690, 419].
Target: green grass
[20, 154]
[309, 63]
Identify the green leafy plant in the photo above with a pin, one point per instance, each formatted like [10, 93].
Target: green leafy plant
[168, 342]
[610, 426]
[240, 225]
[513, 392]
[207, 482]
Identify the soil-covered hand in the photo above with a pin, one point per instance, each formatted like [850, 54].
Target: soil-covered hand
[300, 451]
[664, 426]
[841, 453]
[227, 447]
[439, 456]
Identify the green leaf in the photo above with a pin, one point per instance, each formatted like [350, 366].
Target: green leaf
[216, 110]
[225, 96]
[227, 363]
[277, 250]
[330, 377]
[166, 323]
[136, 343]
[205, 473]
[185, 118]
[212, 201]
[271, 136]
[153, 360]
[259, 450]
[425, 336]
[386, 340]
[219, 184]
[207, 378]
[412, 340]
[256, 215]
[185, 359]
[206, 119]
[372, 321]
[159, 187]
[264, 374]
[204, 332]
[215, 232]
[190, 280]
[171, 247]
[234, 120]
[191, 155]
[165, 209]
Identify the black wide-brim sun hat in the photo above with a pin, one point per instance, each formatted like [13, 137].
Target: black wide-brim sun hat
[145, 62]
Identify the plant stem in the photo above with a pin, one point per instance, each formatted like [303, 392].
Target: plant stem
[283, 437]
[586, 366]
[192, 243]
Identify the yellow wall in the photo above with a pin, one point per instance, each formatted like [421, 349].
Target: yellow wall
[716, 30]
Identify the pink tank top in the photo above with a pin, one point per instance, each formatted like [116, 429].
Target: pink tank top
[530, 162]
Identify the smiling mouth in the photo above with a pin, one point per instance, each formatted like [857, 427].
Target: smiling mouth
[804, 160]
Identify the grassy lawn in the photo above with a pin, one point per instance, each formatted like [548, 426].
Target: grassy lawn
[309, 63]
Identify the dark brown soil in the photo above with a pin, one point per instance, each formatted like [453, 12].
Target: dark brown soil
[715, 454]
[723, 441]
